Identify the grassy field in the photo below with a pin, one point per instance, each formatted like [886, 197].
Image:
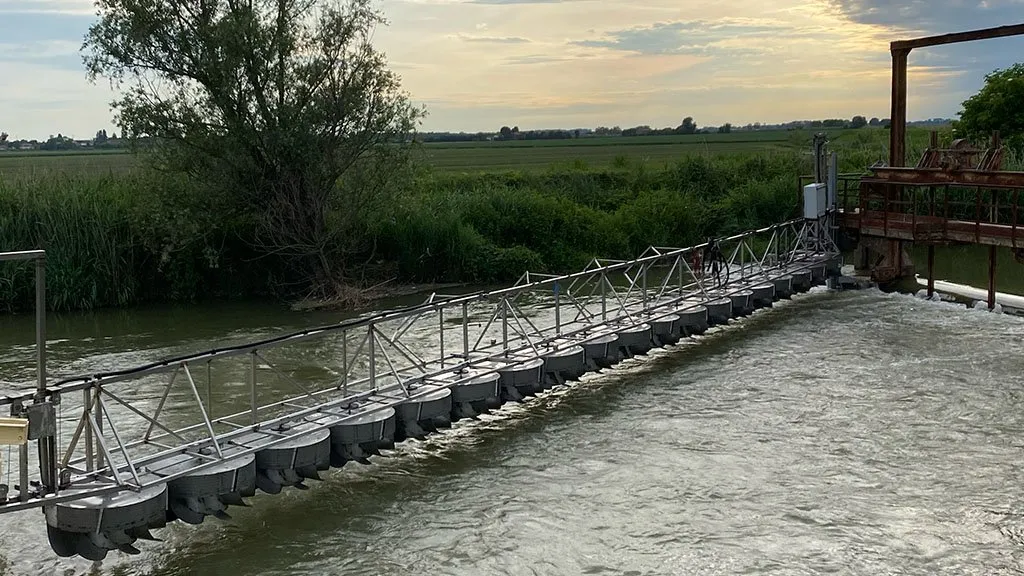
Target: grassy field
[527, 155]
[117, 234]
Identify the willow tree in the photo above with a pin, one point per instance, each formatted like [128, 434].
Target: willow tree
[283, 106]
[999, 105]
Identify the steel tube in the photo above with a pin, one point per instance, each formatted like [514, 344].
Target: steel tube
[253, 403]
[931, 270]
[991, 277]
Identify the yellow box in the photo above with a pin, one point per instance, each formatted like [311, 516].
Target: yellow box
[13, 431]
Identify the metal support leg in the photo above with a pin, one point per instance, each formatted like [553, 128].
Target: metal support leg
[440, 327]
[558, 310]
[372, 341]
[931, 271]
[604, 298]
[23, 472]
[991, 277]
[253, 405]
[86, 403]
[504, 325]
[465, 331]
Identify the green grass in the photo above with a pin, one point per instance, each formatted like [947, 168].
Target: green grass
[117, 234]
[527, 155]
[30, 164]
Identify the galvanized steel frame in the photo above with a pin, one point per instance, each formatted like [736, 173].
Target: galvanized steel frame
[393, 371]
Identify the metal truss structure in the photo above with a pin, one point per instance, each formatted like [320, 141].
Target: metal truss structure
[123, 436]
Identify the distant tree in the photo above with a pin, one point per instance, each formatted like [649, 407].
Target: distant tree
[58, 142]
[858, 122]
[3, 137]
[874, 122]
[999, 105]
[725, 128]
[505, 132]
[687, 127]
[101, 137]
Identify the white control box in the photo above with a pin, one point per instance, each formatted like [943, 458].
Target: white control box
[815, 201]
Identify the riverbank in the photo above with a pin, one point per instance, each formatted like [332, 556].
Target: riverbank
[128, 239]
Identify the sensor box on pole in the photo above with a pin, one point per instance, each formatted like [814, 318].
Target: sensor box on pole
[815, 201]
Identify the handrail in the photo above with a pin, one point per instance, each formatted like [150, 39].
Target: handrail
[88, 381]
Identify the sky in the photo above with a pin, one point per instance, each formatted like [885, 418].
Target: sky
[477, 65]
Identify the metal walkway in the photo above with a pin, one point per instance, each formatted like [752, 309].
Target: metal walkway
[148, 445]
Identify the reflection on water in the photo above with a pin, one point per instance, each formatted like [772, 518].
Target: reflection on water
[854, 433]
[969, 265]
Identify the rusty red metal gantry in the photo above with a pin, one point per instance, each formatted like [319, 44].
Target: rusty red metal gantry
[956, 194]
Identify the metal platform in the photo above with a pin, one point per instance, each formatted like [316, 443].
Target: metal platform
[147, 446]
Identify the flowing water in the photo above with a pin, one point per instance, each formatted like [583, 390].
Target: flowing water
[846, 433]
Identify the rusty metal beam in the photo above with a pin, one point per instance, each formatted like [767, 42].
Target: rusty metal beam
[986, 34]
[900, 50]
[871, 224]
[898, 113]
[939, 177]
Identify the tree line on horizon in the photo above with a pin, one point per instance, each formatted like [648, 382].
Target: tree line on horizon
[687, 127]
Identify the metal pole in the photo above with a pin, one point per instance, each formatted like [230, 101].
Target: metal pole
[898, 116]
[40, 328]
[99, 429]
[372, 341]
[680, 264]
[209, 388]
[23, 472]
[253, 407]
[465, 331]
[643, 284]
[931, 270]
[991, 277]
[604, 298]
[558, 310]
[504, 324]
[344, 362]
[440, 324]
[86, 403]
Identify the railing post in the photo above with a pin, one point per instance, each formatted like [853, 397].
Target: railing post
[465, 331]
[344, 362]
[86, 404]
[23, 472]
[680, 264]
[991, 277]
[440, 325]
[253, 405]
[643, 284]
[604, 297]
[558, 309]
[372, 342]
[99, 427]
[40, 328]
[504, 324]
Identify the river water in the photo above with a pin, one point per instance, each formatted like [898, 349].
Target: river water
[845, 433]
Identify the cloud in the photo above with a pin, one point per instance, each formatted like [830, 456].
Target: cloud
[682, 37]
[493, 39]
[963, 65]
[77, 7]
[931, 16]
[17, 27]
[60, 54]
[505, 2]
[537, 59]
